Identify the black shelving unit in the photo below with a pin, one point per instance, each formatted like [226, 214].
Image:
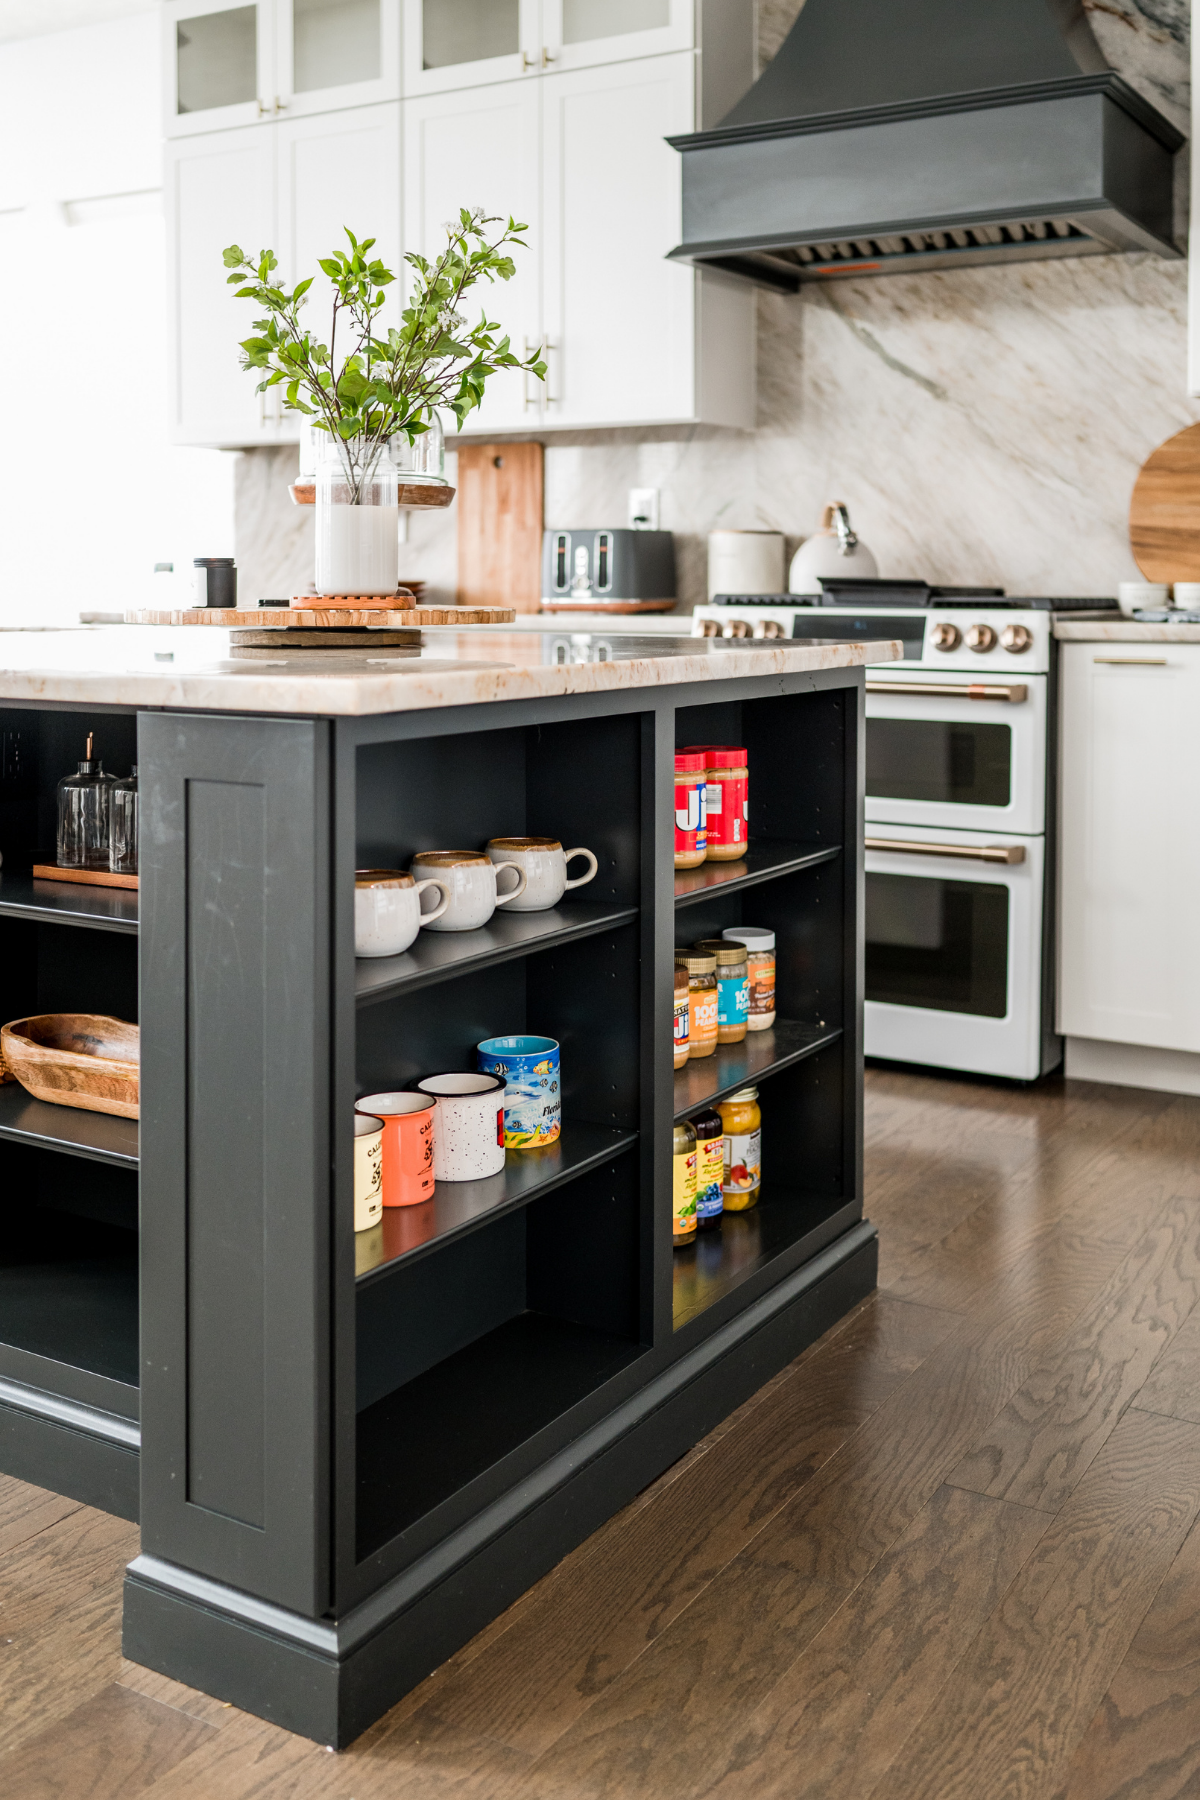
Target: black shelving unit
[355, 1450]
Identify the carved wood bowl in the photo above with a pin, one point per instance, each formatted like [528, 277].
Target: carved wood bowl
[75, 1059]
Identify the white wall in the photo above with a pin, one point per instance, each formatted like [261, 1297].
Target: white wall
[91, 494]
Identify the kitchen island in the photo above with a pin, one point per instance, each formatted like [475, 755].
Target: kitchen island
[349, 1453]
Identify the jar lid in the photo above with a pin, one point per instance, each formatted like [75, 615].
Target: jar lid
[688, 760]
[755, 937]
[681, 977]
[750, 1093]
[696, 962]
[718, 756]
[722, 952]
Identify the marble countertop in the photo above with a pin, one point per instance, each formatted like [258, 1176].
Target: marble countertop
[1112, 630]
[183, 667]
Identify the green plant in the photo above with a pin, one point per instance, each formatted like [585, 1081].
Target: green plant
[390, 384]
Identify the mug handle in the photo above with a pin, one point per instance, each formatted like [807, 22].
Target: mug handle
[503, 899]
[581, 880]
[427, 918]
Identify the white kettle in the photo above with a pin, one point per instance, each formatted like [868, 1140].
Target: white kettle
[834, 550]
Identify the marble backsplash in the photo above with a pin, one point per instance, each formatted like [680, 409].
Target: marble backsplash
[983, 426]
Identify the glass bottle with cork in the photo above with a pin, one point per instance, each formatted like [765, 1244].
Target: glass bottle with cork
[733, 988]
[84, 814]
[760, 953]
[702, 1001]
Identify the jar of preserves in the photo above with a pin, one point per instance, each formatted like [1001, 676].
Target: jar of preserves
[710, 1168]
[702, 1001]
[682, 1011]
[742, 1120]
[691, 787]
[683, 1185]
[726, 800]
[733, 988]
[760, 953]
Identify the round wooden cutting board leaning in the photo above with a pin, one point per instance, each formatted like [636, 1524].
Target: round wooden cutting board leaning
[1164, 514]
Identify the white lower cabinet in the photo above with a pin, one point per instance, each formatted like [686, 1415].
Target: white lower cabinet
[1129, 968]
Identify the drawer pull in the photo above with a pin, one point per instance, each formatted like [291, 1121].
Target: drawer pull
[1133, 662]
[991, 853]
[949, 690]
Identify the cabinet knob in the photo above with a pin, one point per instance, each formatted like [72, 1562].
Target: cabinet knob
[980, 638]
[1016, 639]
[945, 637]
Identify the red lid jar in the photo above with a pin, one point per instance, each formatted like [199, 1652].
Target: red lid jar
[727, 808]
[691, 784]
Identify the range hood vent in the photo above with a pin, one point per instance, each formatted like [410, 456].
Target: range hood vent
[886, 138]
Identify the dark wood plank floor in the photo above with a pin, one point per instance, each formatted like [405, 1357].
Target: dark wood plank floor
[952, 1553]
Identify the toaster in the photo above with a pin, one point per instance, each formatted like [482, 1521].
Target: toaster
[616, 570]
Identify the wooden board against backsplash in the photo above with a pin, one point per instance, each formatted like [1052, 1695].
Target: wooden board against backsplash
[500, 525]
[1164, 514]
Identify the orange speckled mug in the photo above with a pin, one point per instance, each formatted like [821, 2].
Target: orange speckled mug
[407, 1145]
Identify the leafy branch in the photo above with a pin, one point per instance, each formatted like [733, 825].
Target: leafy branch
[392, 384]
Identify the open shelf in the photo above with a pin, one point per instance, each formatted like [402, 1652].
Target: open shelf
[719, 1261]
[765, 859]
[427, 1439]
[459, 1207]
[80, 1311]
[441, 955]
[101, 1136]
[67, 903]
[761, 1053]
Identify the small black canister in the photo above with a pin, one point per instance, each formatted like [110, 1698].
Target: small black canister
[216, 580]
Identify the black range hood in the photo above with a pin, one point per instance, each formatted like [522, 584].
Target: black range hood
[889, 136]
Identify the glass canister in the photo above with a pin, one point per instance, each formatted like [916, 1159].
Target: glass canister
[760, 954]
[733, 988]
[123, 825]
[357, 519]
[702, 1001]
[727, 800]
[421, 463]
[682, 1010]
[84, 812]
[710, 1168]
[691, 781]
[683, 1185]
[742, 1119]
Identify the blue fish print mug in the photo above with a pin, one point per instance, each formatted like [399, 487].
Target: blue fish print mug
[533, 1097]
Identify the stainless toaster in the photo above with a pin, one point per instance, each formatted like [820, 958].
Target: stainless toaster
[615, 570]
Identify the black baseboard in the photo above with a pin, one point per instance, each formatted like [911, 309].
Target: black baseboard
[329, 1681]
[99, 1468]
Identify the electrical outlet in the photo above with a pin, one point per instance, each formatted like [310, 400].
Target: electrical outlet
[643, 509]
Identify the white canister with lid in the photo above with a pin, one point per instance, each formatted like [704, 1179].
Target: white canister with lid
[760, 955]
[745, 562]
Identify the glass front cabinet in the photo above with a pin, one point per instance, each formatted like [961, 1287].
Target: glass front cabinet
[460, 43]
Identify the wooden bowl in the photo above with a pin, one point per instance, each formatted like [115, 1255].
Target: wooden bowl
[75, 1059]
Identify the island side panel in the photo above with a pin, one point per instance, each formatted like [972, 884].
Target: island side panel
[235, 1153]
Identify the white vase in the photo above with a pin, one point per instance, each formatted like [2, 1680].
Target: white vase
[357, 521]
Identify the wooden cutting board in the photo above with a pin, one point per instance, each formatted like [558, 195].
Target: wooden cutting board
[500, 525]
[1164, 514]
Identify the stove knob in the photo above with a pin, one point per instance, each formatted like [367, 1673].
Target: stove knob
[946, 637]
[710, 628]
[738, 628]
[771, 628]
[1016, 639]
[980, 638]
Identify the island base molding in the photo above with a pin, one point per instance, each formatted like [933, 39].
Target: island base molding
[330, 1680]
[1132, 1065]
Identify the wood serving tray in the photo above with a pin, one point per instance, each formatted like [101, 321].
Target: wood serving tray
[88, 877]
[75, 1059]
[316, 617]
[408, 493]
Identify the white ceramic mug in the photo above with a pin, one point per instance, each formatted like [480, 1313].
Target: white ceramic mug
[387, 910]
[1186, 595]
[472, 882]
[545, 864]
[368, 1171]
[468, 1137]
[1134, 596]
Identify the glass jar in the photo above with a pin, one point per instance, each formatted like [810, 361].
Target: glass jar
[421, 463]
[760, 954]
[710, 1168]
[726, 800]
[690, 789]
[358, 519]
[702, 1001]
[683, 1185]
[742, 1121]
[84, 812]
[123, 825]
[682, 1011]
[733, 988]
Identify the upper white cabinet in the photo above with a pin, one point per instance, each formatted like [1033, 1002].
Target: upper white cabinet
[228, 64]
[463, 43]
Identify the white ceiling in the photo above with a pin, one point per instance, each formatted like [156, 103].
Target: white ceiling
[34, 18]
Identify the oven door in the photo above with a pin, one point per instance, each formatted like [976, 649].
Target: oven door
[953, 949]
[943, 750]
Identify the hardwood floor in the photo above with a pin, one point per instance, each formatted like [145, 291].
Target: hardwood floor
[951, 1553]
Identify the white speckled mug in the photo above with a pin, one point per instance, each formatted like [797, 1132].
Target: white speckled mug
[545, 864]
[468, 1135]
[387, 910]
[472, 881]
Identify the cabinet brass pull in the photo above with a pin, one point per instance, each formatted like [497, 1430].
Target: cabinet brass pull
[949, 690]
[993, 853]
[1133, 662]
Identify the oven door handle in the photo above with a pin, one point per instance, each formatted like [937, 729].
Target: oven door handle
[991, 853]
[949, 690]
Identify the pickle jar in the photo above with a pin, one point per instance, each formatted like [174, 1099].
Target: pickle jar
[733, 988]
[742, 1120]
[710, 1168]
[760, 954]
[702, 1001]
[683, 1185]
[691, 788]
[682, 1011]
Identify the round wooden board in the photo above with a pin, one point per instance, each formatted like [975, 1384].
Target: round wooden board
[1164, 514]
[338, 618]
